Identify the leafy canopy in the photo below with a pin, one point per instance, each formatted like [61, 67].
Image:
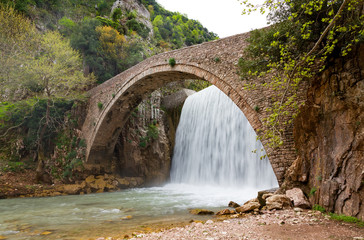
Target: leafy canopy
[304, 36]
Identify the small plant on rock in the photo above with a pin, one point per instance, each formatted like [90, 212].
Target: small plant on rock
[172, 62]
[217, 59]
[100, 105]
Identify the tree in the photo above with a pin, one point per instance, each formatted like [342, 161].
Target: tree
[57, 69]
[305, 35]
[44, 64]
[17, 44]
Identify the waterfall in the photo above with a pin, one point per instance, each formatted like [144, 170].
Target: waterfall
[215, 145]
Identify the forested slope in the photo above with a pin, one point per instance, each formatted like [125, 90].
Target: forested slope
[52, 51]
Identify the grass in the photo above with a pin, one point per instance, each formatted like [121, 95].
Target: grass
[339, 217]
[348, 219]
[317, 207]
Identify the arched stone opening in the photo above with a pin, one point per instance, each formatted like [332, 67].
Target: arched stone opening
[102, 128]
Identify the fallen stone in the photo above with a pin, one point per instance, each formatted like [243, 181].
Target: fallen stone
[278, 202]
[90, 179]
[72, 189]
[261, 193]
[298, 197]
[233, 204]
[297, 209]
[247, 207]
[225, 212]
[98, 185]
[201, 212]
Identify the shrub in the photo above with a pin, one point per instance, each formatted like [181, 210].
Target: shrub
[100, 105]
[152, 132]
[172, 62]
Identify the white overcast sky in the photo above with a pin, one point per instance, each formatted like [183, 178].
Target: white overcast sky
[222, 17]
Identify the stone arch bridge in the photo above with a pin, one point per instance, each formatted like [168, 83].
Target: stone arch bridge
[212, 61]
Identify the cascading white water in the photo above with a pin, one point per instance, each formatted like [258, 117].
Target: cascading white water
[215, 144]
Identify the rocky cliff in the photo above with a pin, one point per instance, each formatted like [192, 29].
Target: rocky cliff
[329, 139]
[145, 145]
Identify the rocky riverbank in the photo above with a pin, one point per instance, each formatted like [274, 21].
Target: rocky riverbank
[283, 224]
[271, 215]
[23, 184]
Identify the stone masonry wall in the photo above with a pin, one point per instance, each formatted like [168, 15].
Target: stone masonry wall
[124, 92]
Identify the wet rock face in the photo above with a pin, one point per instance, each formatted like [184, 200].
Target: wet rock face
[329, 139]
[144, 148]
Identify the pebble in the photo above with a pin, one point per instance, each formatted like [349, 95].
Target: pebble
[297, 209]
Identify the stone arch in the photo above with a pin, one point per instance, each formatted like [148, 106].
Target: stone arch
[120, 94]
[103, 135]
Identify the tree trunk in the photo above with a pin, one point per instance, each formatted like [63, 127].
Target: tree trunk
[41, 175]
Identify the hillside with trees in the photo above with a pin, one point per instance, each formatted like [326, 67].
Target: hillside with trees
[53, 51]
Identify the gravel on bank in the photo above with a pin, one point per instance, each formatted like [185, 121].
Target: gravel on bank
[285, 224]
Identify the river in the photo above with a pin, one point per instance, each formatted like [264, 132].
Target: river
[216, 160]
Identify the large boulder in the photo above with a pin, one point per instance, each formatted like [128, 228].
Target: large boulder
[278, 202]
[264, 192]
[298, 198]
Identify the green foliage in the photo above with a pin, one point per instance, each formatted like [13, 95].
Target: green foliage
[319, 208]
[313, 191]
[116, 14]
[153, 132]
[217, 59]
[256, 108]
[140, 28]
[27, 118]
[197, 85]
[305, 36]
[100, 105]
[151, 135]
[344, 218]
[109, 22]
[70, 152]
[177, 28]
[67, 26]
[14, 167]
[172, 62]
